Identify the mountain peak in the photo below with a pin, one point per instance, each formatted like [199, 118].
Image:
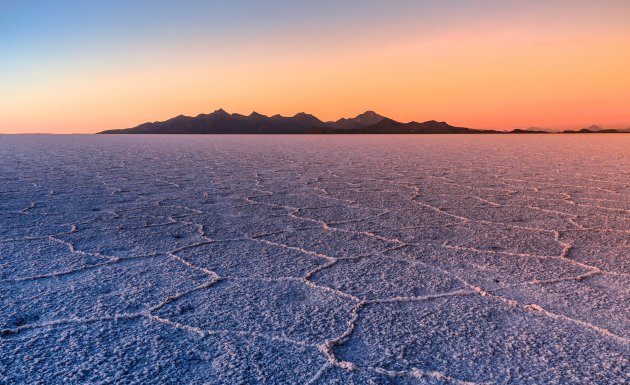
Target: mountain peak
[368, 118]
[367, 114]
[220, 112]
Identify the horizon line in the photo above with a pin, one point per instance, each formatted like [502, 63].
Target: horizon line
[254, 112]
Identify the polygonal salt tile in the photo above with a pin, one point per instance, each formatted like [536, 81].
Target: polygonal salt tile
[600, 300]
[20, 226]
[515, 215]
[133, 242]
[383, 277]
[492, 270]
[37, 257]
[606, 250]
[249, 258]
[140, 351]
[337, 244]
[139, 215]
[478, 339]
[338, 213]
[276, 308]
[607, 219]
[295, 199]
[125, 287]
[500, 238]
[248, 221]
[414, 217]
[382, 200]
[334, 375]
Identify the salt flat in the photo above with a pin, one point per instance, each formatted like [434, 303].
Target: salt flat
[458, 259]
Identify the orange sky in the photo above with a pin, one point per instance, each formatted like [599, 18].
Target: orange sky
[522, 71]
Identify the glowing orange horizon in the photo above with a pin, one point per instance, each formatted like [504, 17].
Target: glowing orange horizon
[555, 76]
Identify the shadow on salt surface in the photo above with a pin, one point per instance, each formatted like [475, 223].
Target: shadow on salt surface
[480, 340]
[145, 352]
[249, 258]
[287, 309]
[124, 287]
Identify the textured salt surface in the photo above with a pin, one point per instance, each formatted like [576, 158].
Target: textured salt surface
[315, 260]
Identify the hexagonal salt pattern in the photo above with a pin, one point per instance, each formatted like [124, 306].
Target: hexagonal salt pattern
[477, 259]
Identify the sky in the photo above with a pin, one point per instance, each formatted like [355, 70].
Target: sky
[84, 66]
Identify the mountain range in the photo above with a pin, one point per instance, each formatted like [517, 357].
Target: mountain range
[369, 122]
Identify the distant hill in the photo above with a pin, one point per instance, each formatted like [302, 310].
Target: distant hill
[597, 130]
[533, 129]
[530, 130]
[390, 126]
[365, 119]
[369, 122]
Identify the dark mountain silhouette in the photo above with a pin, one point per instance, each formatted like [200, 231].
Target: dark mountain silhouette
[533, 129]
[529, 130]
[596, 130]
[390, 126]
[369, 122]
[362, 120]
[220, 122]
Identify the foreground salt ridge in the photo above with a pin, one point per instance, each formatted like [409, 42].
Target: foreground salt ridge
[264, 192]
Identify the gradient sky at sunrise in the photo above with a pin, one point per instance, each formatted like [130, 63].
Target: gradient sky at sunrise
[84, 66]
